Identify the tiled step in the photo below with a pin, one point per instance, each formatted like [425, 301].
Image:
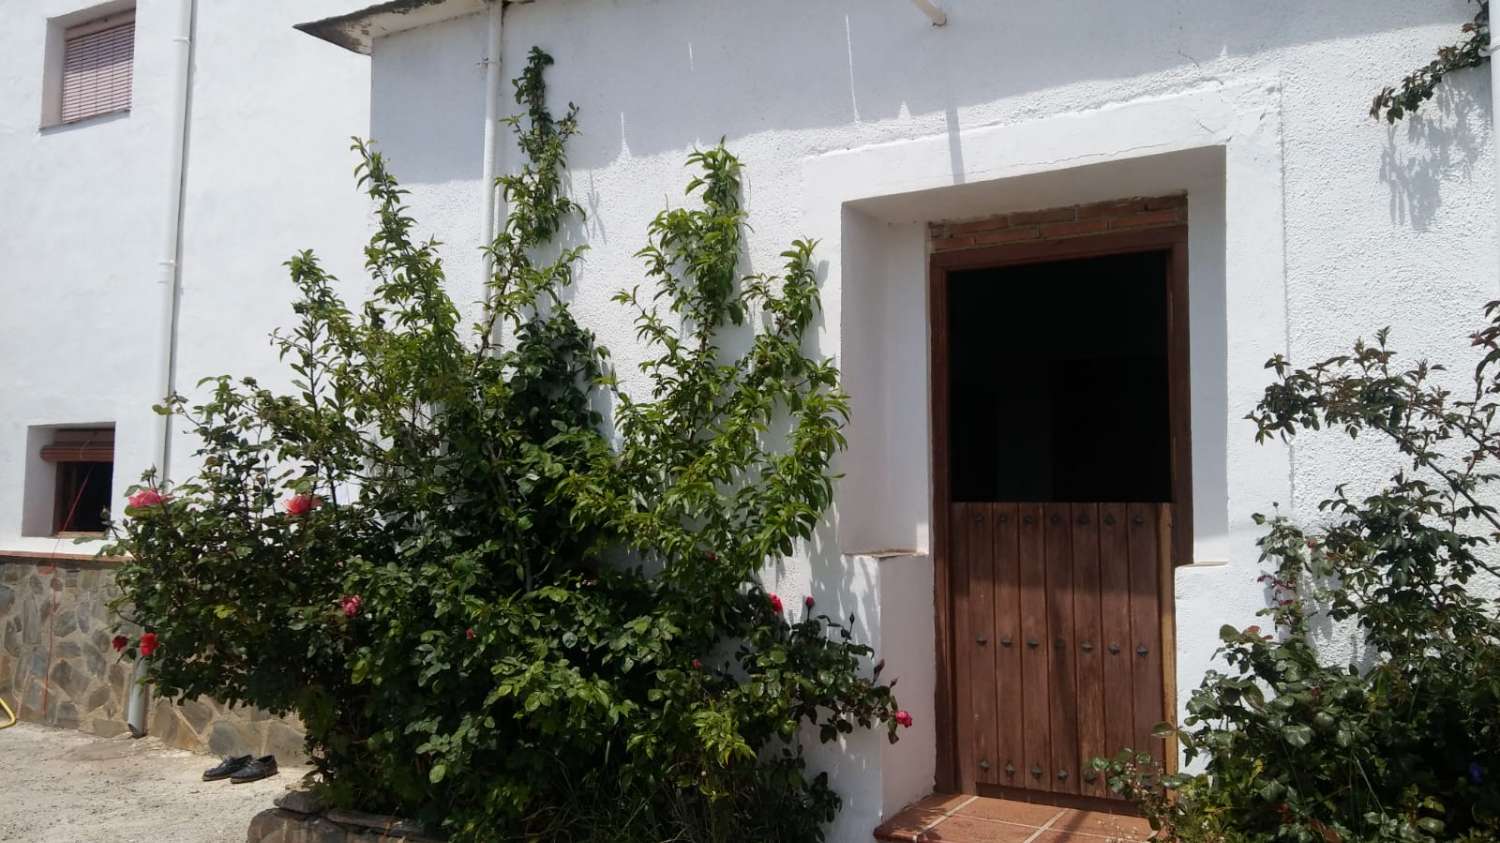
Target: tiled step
[975, 819]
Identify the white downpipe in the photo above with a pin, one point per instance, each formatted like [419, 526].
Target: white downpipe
[1495, 115]
[492, 67]
[171, 282]
[933, 13]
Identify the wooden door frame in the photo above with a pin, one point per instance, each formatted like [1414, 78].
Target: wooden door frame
[1170, 239]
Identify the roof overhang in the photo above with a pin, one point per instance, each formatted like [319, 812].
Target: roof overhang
[357, 30]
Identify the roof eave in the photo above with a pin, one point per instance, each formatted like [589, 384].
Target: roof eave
[357, 30]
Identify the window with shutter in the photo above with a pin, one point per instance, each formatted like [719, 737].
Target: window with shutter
[97, 68]
[85, 461]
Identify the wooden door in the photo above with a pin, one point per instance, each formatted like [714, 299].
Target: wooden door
[1055, 622]
[1060, 642]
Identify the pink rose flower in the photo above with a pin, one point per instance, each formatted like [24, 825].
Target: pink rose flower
[145, 498]
[148, 644]
[351, 604]
[468, 633]
[776, 604]
[903, 717]
[298, 505]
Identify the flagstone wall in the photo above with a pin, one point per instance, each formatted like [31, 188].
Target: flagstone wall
[57, 667]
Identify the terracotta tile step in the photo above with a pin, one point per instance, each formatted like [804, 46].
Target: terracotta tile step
[974, 819]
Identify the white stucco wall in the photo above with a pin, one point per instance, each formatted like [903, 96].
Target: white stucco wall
[82, 212]
[858, 122]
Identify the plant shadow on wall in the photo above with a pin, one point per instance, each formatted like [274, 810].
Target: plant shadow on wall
[407, 550]
[1414, 179]
[1434, 149]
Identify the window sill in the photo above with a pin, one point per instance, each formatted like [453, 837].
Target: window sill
[58, 126]
[59, 556]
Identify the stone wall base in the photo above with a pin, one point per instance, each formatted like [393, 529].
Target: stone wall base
[57, 667]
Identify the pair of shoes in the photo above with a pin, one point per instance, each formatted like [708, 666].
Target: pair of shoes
[240, 769]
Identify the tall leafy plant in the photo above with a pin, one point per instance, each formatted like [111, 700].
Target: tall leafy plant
[409, 550]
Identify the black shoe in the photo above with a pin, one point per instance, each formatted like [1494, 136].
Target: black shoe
[263, 767]
[226, 768]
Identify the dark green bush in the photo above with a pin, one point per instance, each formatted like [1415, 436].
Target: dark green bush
[1405, 745]
[409, 551]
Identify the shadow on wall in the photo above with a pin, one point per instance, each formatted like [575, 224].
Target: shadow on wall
[751, 67]
[1441, 142]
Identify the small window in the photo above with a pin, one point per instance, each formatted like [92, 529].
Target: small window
[85, 467]
[97, 67]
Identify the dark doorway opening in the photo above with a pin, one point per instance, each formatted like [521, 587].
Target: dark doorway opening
[1058, 385]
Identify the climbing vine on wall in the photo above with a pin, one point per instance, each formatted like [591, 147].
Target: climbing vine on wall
[1396, 101]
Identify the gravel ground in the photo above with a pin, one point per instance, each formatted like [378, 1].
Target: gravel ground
[62, 786]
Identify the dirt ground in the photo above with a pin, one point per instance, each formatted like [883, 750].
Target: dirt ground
[62, 786]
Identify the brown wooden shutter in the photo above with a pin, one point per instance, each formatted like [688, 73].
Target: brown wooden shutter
[97, 68]
[81, 445]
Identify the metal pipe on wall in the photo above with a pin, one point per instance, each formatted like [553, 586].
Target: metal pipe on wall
[492, 67]
[171, 281]
[1494, 118]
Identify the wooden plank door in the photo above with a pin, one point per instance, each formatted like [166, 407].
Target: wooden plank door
[1060, 636]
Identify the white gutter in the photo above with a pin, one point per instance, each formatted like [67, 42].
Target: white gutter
[171, 281]
[933, 13]
[490, 198]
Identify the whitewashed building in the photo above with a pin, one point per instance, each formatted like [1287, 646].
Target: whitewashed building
[1028, 205]
[159, 159]
[117, 188]
[1137, 202]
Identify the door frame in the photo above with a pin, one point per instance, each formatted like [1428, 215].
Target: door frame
[1177, 551]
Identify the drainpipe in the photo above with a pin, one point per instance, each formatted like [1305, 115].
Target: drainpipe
[492, 68]
[171, 282]
[1494, 106]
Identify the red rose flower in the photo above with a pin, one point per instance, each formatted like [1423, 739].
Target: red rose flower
[145, 498]
[469, 633]
[148, 644]
[119, 642]
[697, 665]
[298, 505]
[350, 604]
[903, 717]
[776, 604]
[808, 601]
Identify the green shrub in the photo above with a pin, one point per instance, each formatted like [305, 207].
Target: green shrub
[1407, 745]
[409, 550]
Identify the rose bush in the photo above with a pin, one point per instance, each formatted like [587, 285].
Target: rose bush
[488, 615]
[1402, 745]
